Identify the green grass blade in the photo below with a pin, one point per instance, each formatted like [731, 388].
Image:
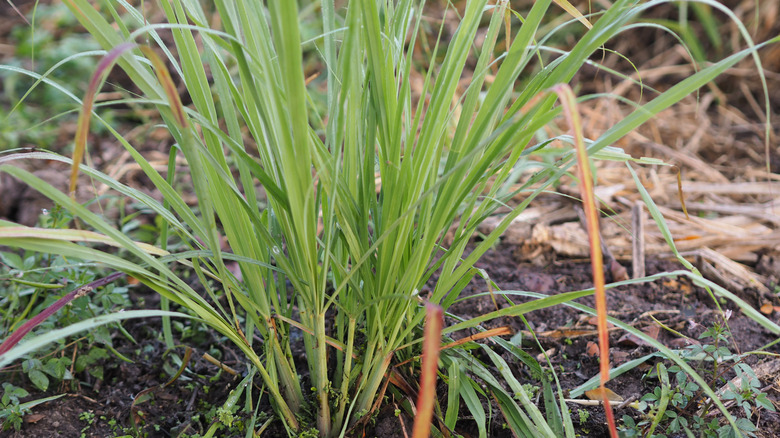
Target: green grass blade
[39, 341]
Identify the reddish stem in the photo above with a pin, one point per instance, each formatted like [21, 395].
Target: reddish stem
[19, 333]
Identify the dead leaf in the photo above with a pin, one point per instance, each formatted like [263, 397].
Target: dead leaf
[631, 340]
[33, 418]
[767, 308]
[562, 333]
[592, 349]
[542, 357]
[682, 342]
[595, 394]
[653, 331]
[619, 273]
[644, 367]
[619, 357]
[500, 331]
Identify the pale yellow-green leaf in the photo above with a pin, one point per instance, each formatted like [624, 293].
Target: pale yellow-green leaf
[574, 12]
[73, 236]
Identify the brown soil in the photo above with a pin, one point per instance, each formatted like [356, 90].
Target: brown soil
[563, 332]
[105, 408]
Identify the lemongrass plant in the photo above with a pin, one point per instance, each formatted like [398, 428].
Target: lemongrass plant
[357, 199]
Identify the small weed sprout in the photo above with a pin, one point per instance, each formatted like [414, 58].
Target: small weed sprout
[11, 411]
[683, 408]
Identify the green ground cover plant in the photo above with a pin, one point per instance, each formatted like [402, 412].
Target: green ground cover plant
[27, 284]
[357, 195]
[12, 410]
[678, 405]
